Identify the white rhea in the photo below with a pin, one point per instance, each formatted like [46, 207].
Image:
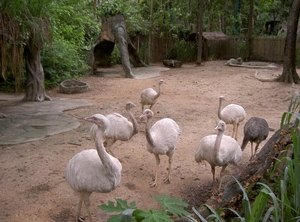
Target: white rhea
[120, 128]
[93, 170]
[161, 138]
[218, 150]
[149, 95]
[231, 114]
[256, 130]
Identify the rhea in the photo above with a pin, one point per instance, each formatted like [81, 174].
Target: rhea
[161, 138]
[231, 114]
[149, 96]
[256, 130]
[218, 150]
[120, 128]
[93, 170]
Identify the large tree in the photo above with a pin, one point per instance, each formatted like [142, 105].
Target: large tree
[23, 28]
[289, 73]
[200, 30]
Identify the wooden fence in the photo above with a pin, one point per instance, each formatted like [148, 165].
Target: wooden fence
[263, 49]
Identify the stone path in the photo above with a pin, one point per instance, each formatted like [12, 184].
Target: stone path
[29, 121]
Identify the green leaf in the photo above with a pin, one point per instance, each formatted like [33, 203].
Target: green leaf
[245, 201]
[154, 215]
[259, 206]
[173, 205]
[214, 215]
[120, 206]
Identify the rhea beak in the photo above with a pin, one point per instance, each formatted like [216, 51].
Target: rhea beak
[89, 119]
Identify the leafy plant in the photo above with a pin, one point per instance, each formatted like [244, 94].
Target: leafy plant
[61, 61]
[129, 212]
[286, 118]
[183, 51]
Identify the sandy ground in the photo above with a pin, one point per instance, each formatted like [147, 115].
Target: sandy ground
[33, 186]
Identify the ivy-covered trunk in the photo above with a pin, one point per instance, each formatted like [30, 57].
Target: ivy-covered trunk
[35, 89]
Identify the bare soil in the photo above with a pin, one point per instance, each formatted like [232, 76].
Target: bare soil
[33, 186]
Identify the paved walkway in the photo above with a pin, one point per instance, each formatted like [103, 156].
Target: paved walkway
[29, 121]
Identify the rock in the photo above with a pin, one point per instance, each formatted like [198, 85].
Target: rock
[172, 63]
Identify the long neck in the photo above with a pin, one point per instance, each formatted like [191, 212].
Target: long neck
[218, 142]
[220, 108]
[134, 122]
[103, 155]
[159, 91]
[147, 131]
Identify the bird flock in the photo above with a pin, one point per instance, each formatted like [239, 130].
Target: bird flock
[99, 170]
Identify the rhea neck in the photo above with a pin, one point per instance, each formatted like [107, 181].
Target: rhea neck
[159, 91]
[103, 155]
[133, 121]
[147, 131]
[218, 142]
[220, 108]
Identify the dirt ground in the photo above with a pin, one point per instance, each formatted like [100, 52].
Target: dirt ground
[33, 186]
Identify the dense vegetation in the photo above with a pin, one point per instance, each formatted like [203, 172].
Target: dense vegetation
[75, 24]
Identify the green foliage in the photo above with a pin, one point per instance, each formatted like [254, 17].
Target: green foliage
[61, 61]
[115, 56]
[73, 29]
[174, 206]
[111, 7]
[183, 51]
[287, 116]
[130, 212]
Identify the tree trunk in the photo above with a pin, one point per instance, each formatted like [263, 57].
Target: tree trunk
[200, 30]
[249, 33]
[113, 32]
[224, 17]
[289, 73]
[230, 193]
[35, 89]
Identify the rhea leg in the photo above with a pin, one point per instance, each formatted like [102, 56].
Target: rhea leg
[256, 148]
[251, 151]
[156, 170]
[87, 204]
[77, 218]
[167, 180]
[221, 175]
[236, 131]
[213, 172]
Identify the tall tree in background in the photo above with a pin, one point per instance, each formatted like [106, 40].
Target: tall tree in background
[289, 73]
[200, 30]
[249, 32]
[24, 29]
